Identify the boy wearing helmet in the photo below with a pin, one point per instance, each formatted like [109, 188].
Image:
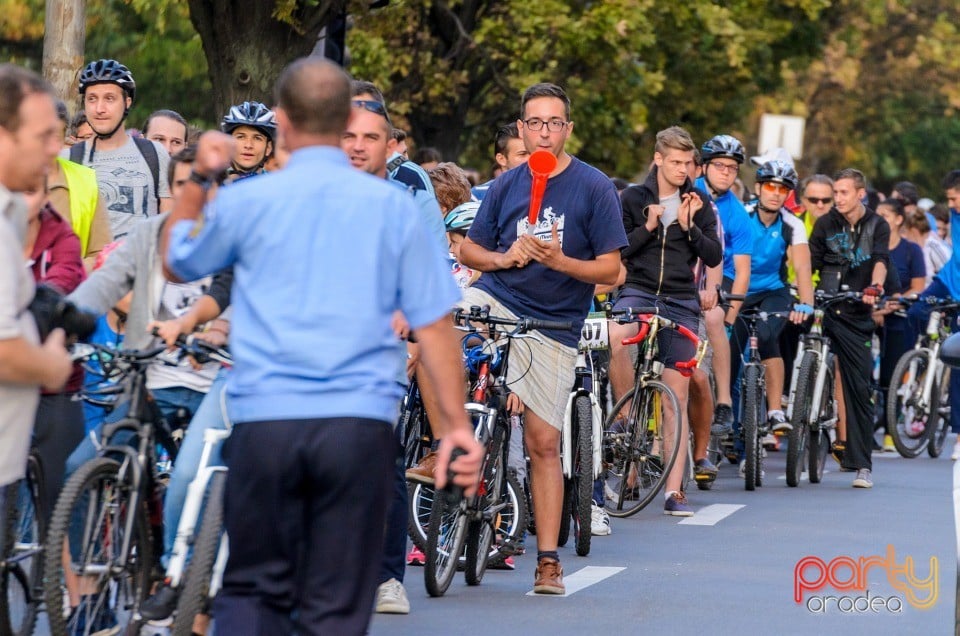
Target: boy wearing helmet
[128, 170]
[254, 126]
[782, 239]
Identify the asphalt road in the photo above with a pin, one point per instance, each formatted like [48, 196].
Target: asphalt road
[738, 575]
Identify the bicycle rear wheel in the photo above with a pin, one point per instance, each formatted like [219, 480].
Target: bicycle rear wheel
[939, 406]
[636, 459]
[195, 587]
[797, 438]
[582, 480]
[93, 509]
[750, 426]
[446, 535]
[908, 414]
[21, 589]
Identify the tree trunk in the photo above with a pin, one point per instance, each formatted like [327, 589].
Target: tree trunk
[63, 40]
[247, 47]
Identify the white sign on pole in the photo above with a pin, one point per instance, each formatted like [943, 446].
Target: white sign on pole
[782, 131]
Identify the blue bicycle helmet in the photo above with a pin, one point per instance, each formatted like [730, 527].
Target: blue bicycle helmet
[108, 72]
[253, 114]
[722, 146]
[460, 218]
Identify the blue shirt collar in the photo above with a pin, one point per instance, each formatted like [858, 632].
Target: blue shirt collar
[330, 154]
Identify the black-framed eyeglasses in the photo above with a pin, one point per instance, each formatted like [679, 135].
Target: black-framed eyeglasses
[374, 107]
[536, 125]
[819, 200]
[726, 168]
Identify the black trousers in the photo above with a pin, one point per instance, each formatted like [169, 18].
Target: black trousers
[57, 431]
[850, 334]
[305, 507]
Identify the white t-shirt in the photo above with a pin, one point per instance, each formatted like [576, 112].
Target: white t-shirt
[671, 208]
[18, 402]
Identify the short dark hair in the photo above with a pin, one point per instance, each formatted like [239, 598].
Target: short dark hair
[62, 113]
[853, 174]
[187, 155]
[908, 192]
[314, 93]
[544, 89]
[399, 135]
[951, 181]
[78, 120]
[16, 84]
[426, 155]
[169, 114]
[504, 135]
[363, 87]
[894, 204]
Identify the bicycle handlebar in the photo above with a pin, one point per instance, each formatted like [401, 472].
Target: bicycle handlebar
[644, 315]
[522, 324]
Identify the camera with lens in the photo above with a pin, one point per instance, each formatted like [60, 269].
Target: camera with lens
[51, 310]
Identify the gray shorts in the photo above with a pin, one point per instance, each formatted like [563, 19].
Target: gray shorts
[540, 373]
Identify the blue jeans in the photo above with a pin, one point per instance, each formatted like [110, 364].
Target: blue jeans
[208, 415]
[167, 400]
[917, 323]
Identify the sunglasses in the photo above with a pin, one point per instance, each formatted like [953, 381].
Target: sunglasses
[818, 200]
[372, 106]
[779, 188]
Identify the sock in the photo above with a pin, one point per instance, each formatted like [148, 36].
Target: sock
[668, 494]
[547, 554]
[770, 414]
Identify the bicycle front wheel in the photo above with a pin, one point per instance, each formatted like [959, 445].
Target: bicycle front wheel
[908, 409]
[750, 427]
[20, 579]
[446, 534]
[796, 440]
[492, 495]
[582, 480]
[940, 407]
[636, 454]
[90, 520]
[195, 595]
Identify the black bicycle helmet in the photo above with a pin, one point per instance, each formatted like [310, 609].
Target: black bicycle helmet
[777, 171]
[722, 146]
[253, 114]
[108, 72]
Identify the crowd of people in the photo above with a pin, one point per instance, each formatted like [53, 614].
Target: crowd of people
[303, 235]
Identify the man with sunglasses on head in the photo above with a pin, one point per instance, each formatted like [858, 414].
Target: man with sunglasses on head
[722, 156]
[547, 271]
[782, 239]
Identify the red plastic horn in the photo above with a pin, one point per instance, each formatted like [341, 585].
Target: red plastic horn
[541, 163]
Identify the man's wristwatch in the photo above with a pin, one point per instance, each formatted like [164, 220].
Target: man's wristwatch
[200, 180]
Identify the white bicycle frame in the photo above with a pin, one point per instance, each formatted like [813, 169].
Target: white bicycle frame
[192, 506]
[822, 352]
[933, 333]
[593, 337]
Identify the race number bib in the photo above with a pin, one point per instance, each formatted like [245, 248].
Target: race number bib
[594, 335]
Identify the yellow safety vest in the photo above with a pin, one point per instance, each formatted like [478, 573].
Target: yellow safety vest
[83, 193]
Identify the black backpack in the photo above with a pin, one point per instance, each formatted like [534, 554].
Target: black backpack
[146, 148]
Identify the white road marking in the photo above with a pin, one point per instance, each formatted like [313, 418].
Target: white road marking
[711, 515]
[583, 578]
[956, 510]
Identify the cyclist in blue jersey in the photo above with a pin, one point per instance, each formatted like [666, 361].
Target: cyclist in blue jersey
[782, 240]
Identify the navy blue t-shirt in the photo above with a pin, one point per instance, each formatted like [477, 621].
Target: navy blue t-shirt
[907, 257]
[584, 203]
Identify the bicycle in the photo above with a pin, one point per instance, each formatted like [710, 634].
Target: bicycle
[21, 559]
[111, 508]
[753, 393]
[581, 437]
[474, 521]
[638, 448]
[812, 407]
[919, 387]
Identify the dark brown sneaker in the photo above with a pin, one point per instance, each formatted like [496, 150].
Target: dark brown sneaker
[549, 578]
[423, 472]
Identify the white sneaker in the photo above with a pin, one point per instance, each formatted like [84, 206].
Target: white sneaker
[599, 522]
[956, 451]
[392, 598]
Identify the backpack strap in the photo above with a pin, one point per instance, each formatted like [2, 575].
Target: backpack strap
[77, 151]
[149, 152]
